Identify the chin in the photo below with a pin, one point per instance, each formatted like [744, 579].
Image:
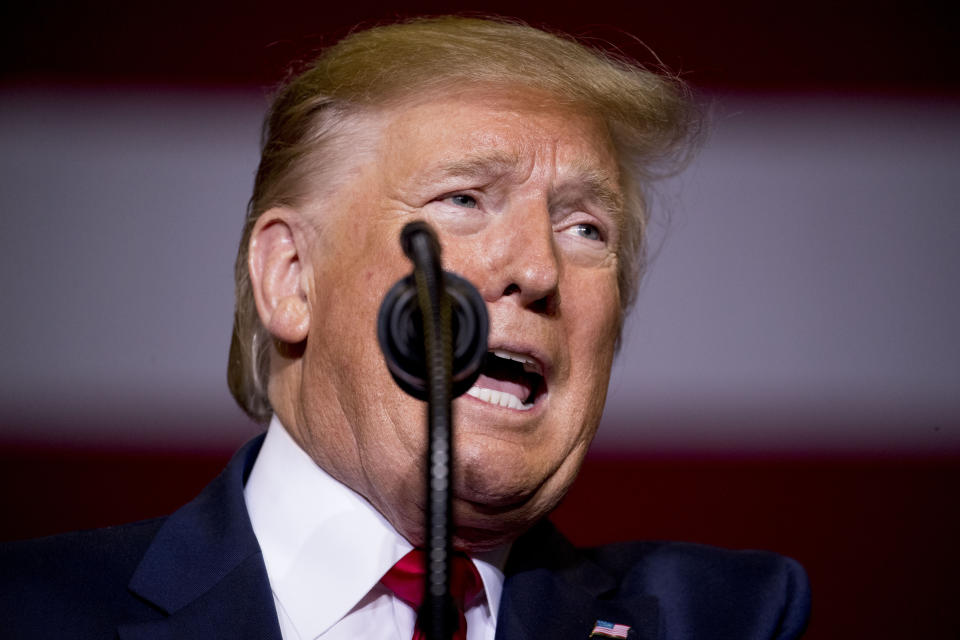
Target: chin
[499, 496]
[496, 475]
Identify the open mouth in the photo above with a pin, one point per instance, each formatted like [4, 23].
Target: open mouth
[509, 380]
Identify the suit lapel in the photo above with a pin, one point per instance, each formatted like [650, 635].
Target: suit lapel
[204, 570]
[204, 575]
[553, 591]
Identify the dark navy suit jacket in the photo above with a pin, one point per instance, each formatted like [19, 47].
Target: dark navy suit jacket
[199, 574]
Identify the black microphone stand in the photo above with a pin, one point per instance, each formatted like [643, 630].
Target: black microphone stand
[449, 348]
[435, 307]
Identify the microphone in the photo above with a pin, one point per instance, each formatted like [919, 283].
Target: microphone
[432, 328]
[400, 325]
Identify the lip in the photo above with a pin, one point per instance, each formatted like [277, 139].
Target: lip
[538, 356]
[537, 361]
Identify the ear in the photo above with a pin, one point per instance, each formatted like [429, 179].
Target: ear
[276, 269]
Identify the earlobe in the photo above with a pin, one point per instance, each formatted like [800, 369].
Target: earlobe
[276, 267]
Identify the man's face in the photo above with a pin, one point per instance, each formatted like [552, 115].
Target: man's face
[525, 198]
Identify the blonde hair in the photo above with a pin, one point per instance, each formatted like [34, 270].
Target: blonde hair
[650, 117]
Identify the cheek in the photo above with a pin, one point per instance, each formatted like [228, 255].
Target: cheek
[448, 220]
[466, 246]
[593, 320]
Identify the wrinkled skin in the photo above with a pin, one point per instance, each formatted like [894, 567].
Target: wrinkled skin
[526, 199]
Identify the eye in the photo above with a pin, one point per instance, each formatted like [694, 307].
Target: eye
[463, 200]
[588, 231]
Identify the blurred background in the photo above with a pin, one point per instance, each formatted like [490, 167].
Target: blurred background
[790, 377]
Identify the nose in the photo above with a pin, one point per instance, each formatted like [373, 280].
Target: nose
[521, 261]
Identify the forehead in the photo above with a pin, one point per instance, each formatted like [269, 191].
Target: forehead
[477, 131]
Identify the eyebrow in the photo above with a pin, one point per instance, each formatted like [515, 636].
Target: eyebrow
[601, 186]
[492, 165]
[596, 184]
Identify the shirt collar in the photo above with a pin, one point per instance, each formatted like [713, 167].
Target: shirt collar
[490, 566]
[324, 546]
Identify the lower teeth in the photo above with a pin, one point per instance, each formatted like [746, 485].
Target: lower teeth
[500, 398]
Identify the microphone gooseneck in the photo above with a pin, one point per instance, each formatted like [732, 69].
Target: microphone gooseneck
[432, 328]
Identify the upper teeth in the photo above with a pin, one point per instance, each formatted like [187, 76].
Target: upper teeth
[529, 364]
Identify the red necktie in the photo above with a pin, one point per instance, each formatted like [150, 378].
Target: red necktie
[405, 579]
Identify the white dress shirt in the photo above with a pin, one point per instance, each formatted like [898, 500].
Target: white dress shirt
[325, 548]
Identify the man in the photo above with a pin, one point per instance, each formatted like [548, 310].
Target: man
[528, 154]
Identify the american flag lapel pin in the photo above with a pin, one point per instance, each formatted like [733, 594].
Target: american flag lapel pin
[604, 629]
